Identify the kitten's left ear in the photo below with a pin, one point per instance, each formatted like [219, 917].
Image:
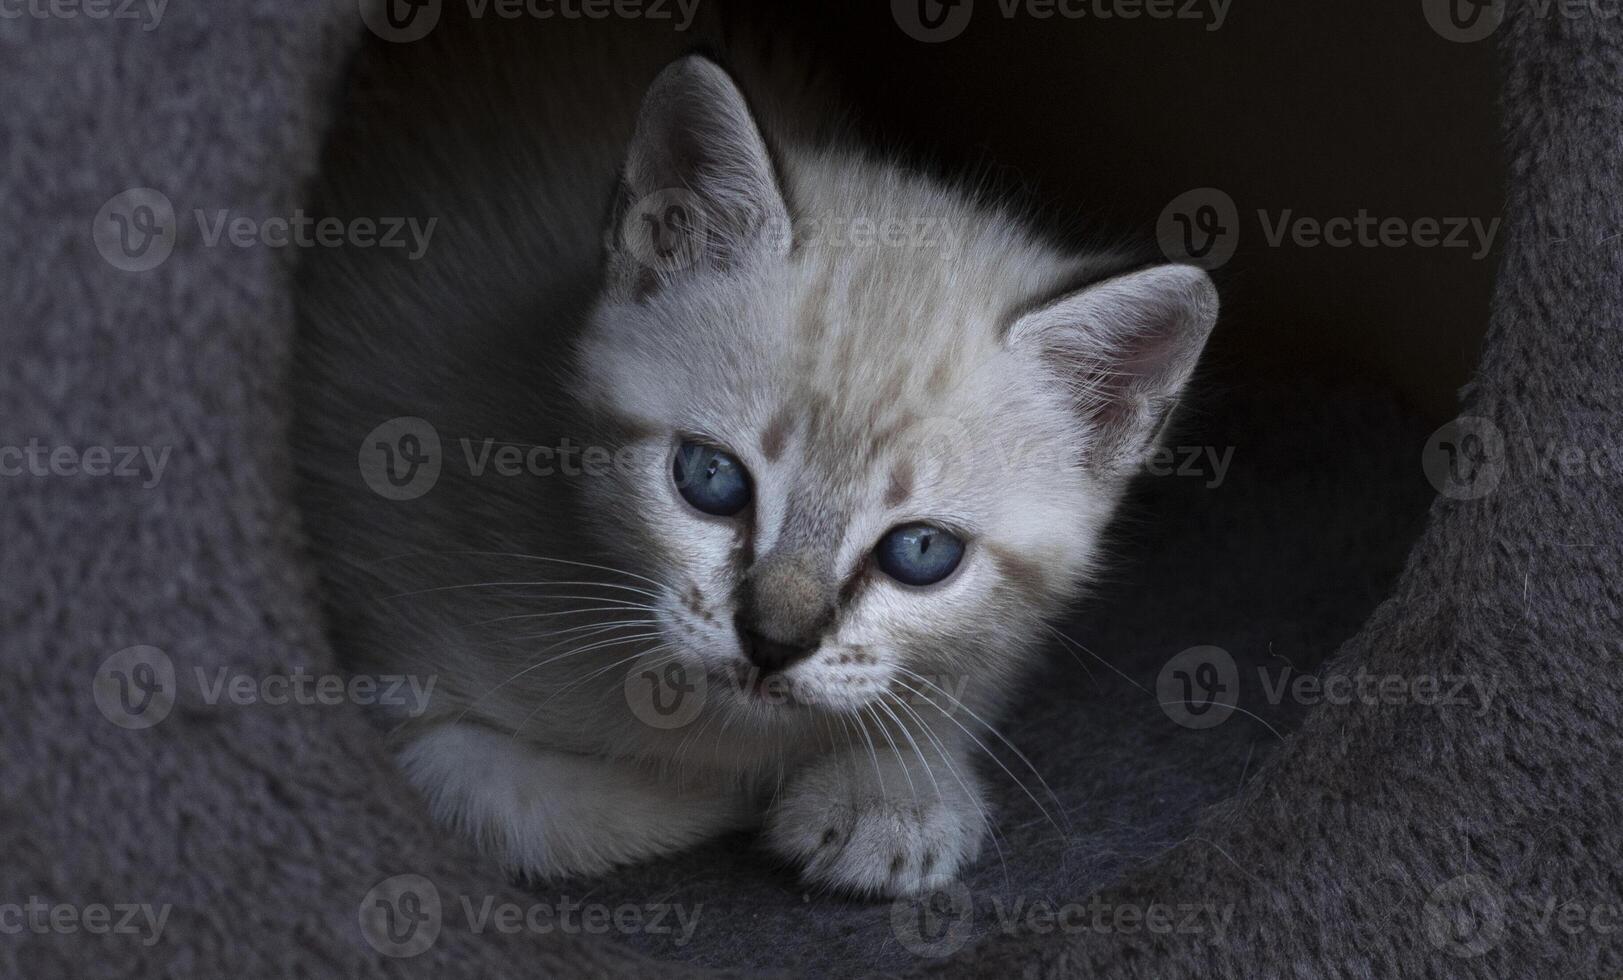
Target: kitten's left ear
[1124, 349]
[698, 191]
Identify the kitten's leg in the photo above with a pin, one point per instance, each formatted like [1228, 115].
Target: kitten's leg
[552, 813]
[880, 826]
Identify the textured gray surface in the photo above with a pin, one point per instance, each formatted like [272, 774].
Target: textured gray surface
[1346, 853]
[264, 827]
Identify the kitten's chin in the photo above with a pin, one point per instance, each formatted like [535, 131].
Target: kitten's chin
[747, 685]
[768, 693]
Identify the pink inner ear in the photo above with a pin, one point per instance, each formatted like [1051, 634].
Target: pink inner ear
[1110, 391]
[699, 177]
[1125, 348]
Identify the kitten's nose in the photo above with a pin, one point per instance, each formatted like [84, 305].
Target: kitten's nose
[769, 654]
[785, 605]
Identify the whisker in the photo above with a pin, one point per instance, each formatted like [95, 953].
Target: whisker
[897, 752]
[525, 557]
[872, 753]
[597, 645]
[911, 741]
[993, 830]
[581, 610]
[492, 585]
[993, 729]
[589, 628]
[1095, 656]
[1017, 781]
[581, 680]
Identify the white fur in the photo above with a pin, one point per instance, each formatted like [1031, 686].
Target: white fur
[909, 357]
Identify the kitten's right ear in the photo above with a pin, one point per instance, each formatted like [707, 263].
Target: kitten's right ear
[698, 191]
[1123, 349]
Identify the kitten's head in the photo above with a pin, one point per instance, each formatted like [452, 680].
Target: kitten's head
[880, 459]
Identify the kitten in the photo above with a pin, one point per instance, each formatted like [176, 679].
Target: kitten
[847, 480]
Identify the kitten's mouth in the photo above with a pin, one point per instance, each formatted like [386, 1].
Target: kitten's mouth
[756, 686]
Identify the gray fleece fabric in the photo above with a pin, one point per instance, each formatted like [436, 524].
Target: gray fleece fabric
[1231, 787]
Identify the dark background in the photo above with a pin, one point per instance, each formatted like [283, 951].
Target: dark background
[1320, 108]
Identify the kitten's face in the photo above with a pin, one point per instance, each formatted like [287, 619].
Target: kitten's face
[858, 444]
[872, 471]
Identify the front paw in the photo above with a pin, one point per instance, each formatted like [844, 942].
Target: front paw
[878, 829]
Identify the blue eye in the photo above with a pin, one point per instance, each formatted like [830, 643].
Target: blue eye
[711, 480]
[919, 554]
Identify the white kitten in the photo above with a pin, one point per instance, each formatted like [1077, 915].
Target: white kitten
[852, 471]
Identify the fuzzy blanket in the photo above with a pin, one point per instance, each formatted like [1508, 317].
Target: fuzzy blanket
[1436, 796]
